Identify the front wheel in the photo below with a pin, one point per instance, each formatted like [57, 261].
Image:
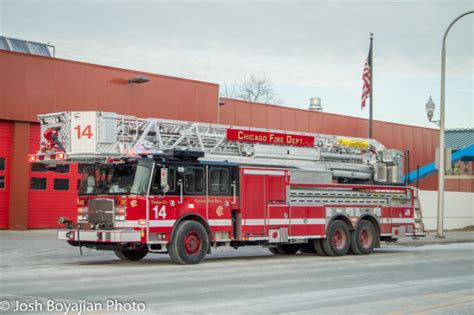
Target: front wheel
[190, 243]
[131, 254]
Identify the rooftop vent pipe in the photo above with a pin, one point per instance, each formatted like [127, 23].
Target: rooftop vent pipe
[315, 104]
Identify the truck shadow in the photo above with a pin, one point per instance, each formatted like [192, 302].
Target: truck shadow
[163, 259]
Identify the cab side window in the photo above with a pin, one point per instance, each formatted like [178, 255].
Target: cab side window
[194, 180]
[219, 181]
[171, 179]
[156, 185]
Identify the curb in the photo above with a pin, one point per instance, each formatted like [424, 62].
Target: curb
[416, 243]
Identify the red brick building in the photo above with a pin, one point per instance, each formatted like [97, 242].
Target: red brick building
[33, 197]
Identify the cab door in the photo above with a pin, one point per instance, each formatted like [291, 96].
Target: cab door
[162, 205]
[219, 201]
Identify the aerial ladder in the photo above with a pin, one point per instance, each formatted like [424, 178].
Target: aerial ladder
[104, 136]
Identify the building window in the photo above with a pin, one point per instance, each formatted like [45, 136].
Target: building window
[171, 179]
[39, 167]
[218, 181]
[62, 168]
[2, 182]
[38, 183]
[194, 180]
[2, 163]
[61, 184]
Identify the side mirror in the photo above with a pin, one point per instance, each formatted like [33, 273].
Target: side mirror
[164, 180]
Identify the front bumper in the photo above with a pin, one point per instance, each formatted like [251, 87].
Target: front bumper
[100, 236]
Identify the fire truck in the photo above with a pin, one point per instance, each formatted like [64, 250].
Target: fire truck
[183, 188]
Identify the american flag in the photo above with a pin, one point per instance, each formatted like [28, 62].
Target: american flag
[366, 79]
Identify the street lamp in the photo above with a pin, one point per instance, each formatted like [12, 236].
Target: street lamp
[430, 107]
[440, 232]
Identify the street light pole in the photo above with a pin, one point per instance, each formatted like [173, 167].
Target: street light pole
[440, 232]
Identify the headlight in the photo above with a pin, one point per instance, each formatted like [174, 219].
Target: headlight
[82, 217]
[82, 209]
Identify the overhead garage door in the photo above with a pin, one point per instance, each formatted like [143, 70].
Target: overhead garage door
[5, 163]
[52, 192]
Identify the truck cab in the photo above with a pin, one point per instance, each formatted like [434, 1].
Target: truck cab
[131, 206]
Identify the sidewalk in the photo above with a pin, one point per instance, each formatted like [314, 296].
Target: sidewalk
[430, 238]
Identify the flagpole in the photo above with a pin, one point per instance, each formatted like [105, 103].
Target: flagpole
[371, 86]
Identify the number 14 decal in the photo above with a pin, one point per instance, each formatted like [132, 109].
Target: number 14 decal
[85, 132]
[160, 213]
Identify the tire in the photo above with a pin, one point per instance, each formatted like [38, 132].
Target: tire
[131, 254]
[308, 248]
[337, 241]
[318, 248]
[288, 249]
[363, 238]
[273, 250]
[190, 243]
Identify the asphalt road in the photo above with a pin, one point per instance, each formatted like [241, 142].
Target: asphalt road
[431, 279]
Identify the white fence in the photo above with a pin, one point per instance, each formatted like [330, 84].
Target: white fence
[458, 209]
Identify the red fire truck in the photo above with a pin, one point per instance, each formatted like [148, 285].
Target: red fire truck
[176, 187]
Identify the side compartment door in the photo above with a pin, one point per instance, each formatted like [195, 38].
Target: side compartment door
[277, 215]
[253, 203]
[386, 220]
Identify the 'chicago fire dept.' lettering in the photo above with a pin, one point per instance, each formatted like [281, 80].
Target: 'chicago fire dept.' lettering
[269, 137]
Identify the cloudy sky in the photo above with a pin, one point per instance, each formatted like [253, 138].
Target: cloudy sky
[307, 48]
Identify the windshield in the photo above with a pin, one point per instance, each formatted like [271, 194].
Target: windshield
[113, 179]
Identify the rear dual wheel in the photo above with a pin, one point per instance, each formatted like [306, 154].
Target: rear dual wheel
[340, 241]
[363, 238]
[337, 239]
[318, 247]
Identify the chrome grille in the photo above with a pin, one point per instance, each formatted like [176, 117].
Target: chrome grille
[101, 211]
